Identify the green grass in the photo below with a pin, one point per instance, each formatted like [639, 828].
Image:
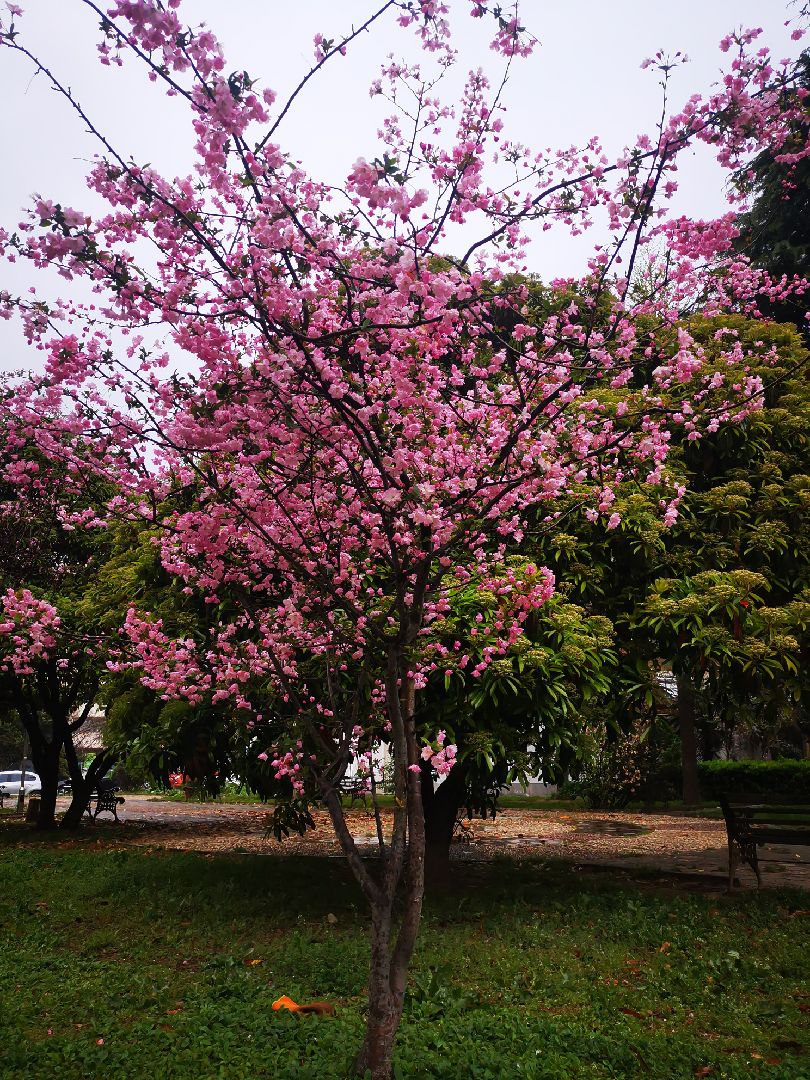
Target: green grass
[538, 802]
[506, 802]
[230, 796]
[173, 960]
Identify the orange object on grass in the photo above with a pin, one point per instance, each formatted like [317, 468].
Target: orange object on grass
[317, 1008]
[285, 1003]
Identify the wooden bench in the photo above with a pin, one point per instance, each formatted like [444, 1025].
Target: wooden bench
[754, 820]
[106, 802]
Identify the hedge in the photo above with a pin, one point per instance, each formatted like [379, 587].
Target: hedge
[787, 778]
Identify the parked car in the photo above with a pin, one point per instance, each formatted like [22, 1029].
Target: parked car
[64, 787]
[11, 782]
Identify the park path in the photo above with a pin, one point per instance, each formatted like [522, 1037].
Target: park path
[669, 843]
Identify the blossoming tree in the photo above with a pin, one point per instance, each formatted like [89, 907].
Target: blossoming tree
[370, 411]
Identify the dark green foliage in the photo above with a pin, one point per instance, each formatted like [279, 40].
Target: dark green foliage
[783, 779]
[523, 971]
[11, 741]
[523, 715]
[775, 232]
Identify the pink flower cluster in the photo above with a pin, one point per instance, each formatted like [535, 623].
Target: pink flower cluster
[441, 757]
[28, 631]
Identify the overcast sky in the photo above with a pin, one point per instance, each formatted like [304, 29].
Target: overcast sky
[585, 79]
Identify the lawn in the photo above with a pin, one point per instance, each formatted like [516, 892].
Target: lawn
[127, 964]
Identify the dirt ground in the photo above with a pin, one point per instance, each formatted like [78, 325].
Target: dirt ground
[668, 843]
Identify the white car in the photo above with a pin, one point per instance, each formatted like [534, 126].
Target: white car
[11, 782]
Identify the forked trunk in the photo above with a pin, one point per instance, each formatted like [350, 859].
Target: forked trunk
[80, 797]
[401, 877]
[388, 970]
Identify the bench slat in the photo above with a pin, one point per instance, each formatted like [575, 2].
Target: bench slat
[783, 822]
[767, 833]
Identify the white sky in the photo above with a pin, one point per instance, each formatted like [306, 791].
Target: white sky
[585, 79]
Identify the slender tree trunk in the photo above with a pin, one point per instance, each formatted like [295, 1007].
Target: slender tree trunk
[388, 970]
[686, 719]
[403, 864]
[376, 1053]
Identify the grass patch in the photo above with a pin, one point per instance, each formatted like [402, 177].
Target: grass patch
[125, 963]
[505, 802]
[230, 797]
[538, 802]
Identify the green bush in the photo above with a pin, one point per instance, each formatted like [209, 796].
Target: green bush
[610, 768]
[620, 767]
[785, 778]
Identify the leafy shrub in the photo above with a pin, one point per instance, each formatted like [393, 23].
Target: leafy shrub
[787, 778]
[610, 774]
[616, 767]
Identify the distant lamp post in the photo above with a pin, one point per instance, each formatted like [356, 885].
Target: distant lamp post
[21, 795]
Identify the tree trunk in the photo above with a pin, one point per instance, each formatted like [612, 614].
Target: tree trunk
[376, 1053]
[440, 808]
[403, 862]
[388, 971]
[82, 787]
[45, 756]
[686, 720]
[80, 797]
[384, 1004]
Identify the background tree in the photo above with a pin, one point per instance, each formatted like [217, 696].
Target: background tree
[775, 231]
[746, 513]
[11, 739]
[52, 649]
[517, 719]
[680, 597]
